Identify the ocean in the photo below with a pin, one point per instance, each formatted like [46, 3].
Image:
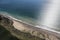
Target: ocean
[21, 8]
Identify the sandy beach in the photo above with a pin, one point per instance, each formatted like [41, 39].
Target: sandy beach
[20, 28]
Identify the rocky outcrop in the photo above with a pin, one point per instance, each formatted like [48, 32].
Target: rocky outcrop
[28, 32]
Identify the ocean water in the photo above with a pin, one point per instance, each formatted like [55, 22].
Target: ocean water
[22, 8]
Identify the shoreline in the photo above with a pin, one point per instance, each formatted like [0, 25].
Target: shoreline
[17, 27]
[33, 25]
[47, 29]
[36, 27]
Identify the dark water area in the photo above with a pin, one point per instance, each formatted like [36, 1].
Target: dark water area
[28, 8]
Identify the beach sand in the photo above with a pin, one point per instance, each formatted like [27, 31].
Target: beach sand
[20, 28]
[34, 31]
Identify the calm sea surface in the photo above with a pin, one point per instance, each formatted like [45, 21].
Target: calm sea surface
[22, 8]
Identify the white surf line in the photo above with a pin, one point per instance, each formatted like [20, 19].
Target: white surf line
[12, 18]
[20, 21]
[38, 26]
[44, 28]
[48, 29]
